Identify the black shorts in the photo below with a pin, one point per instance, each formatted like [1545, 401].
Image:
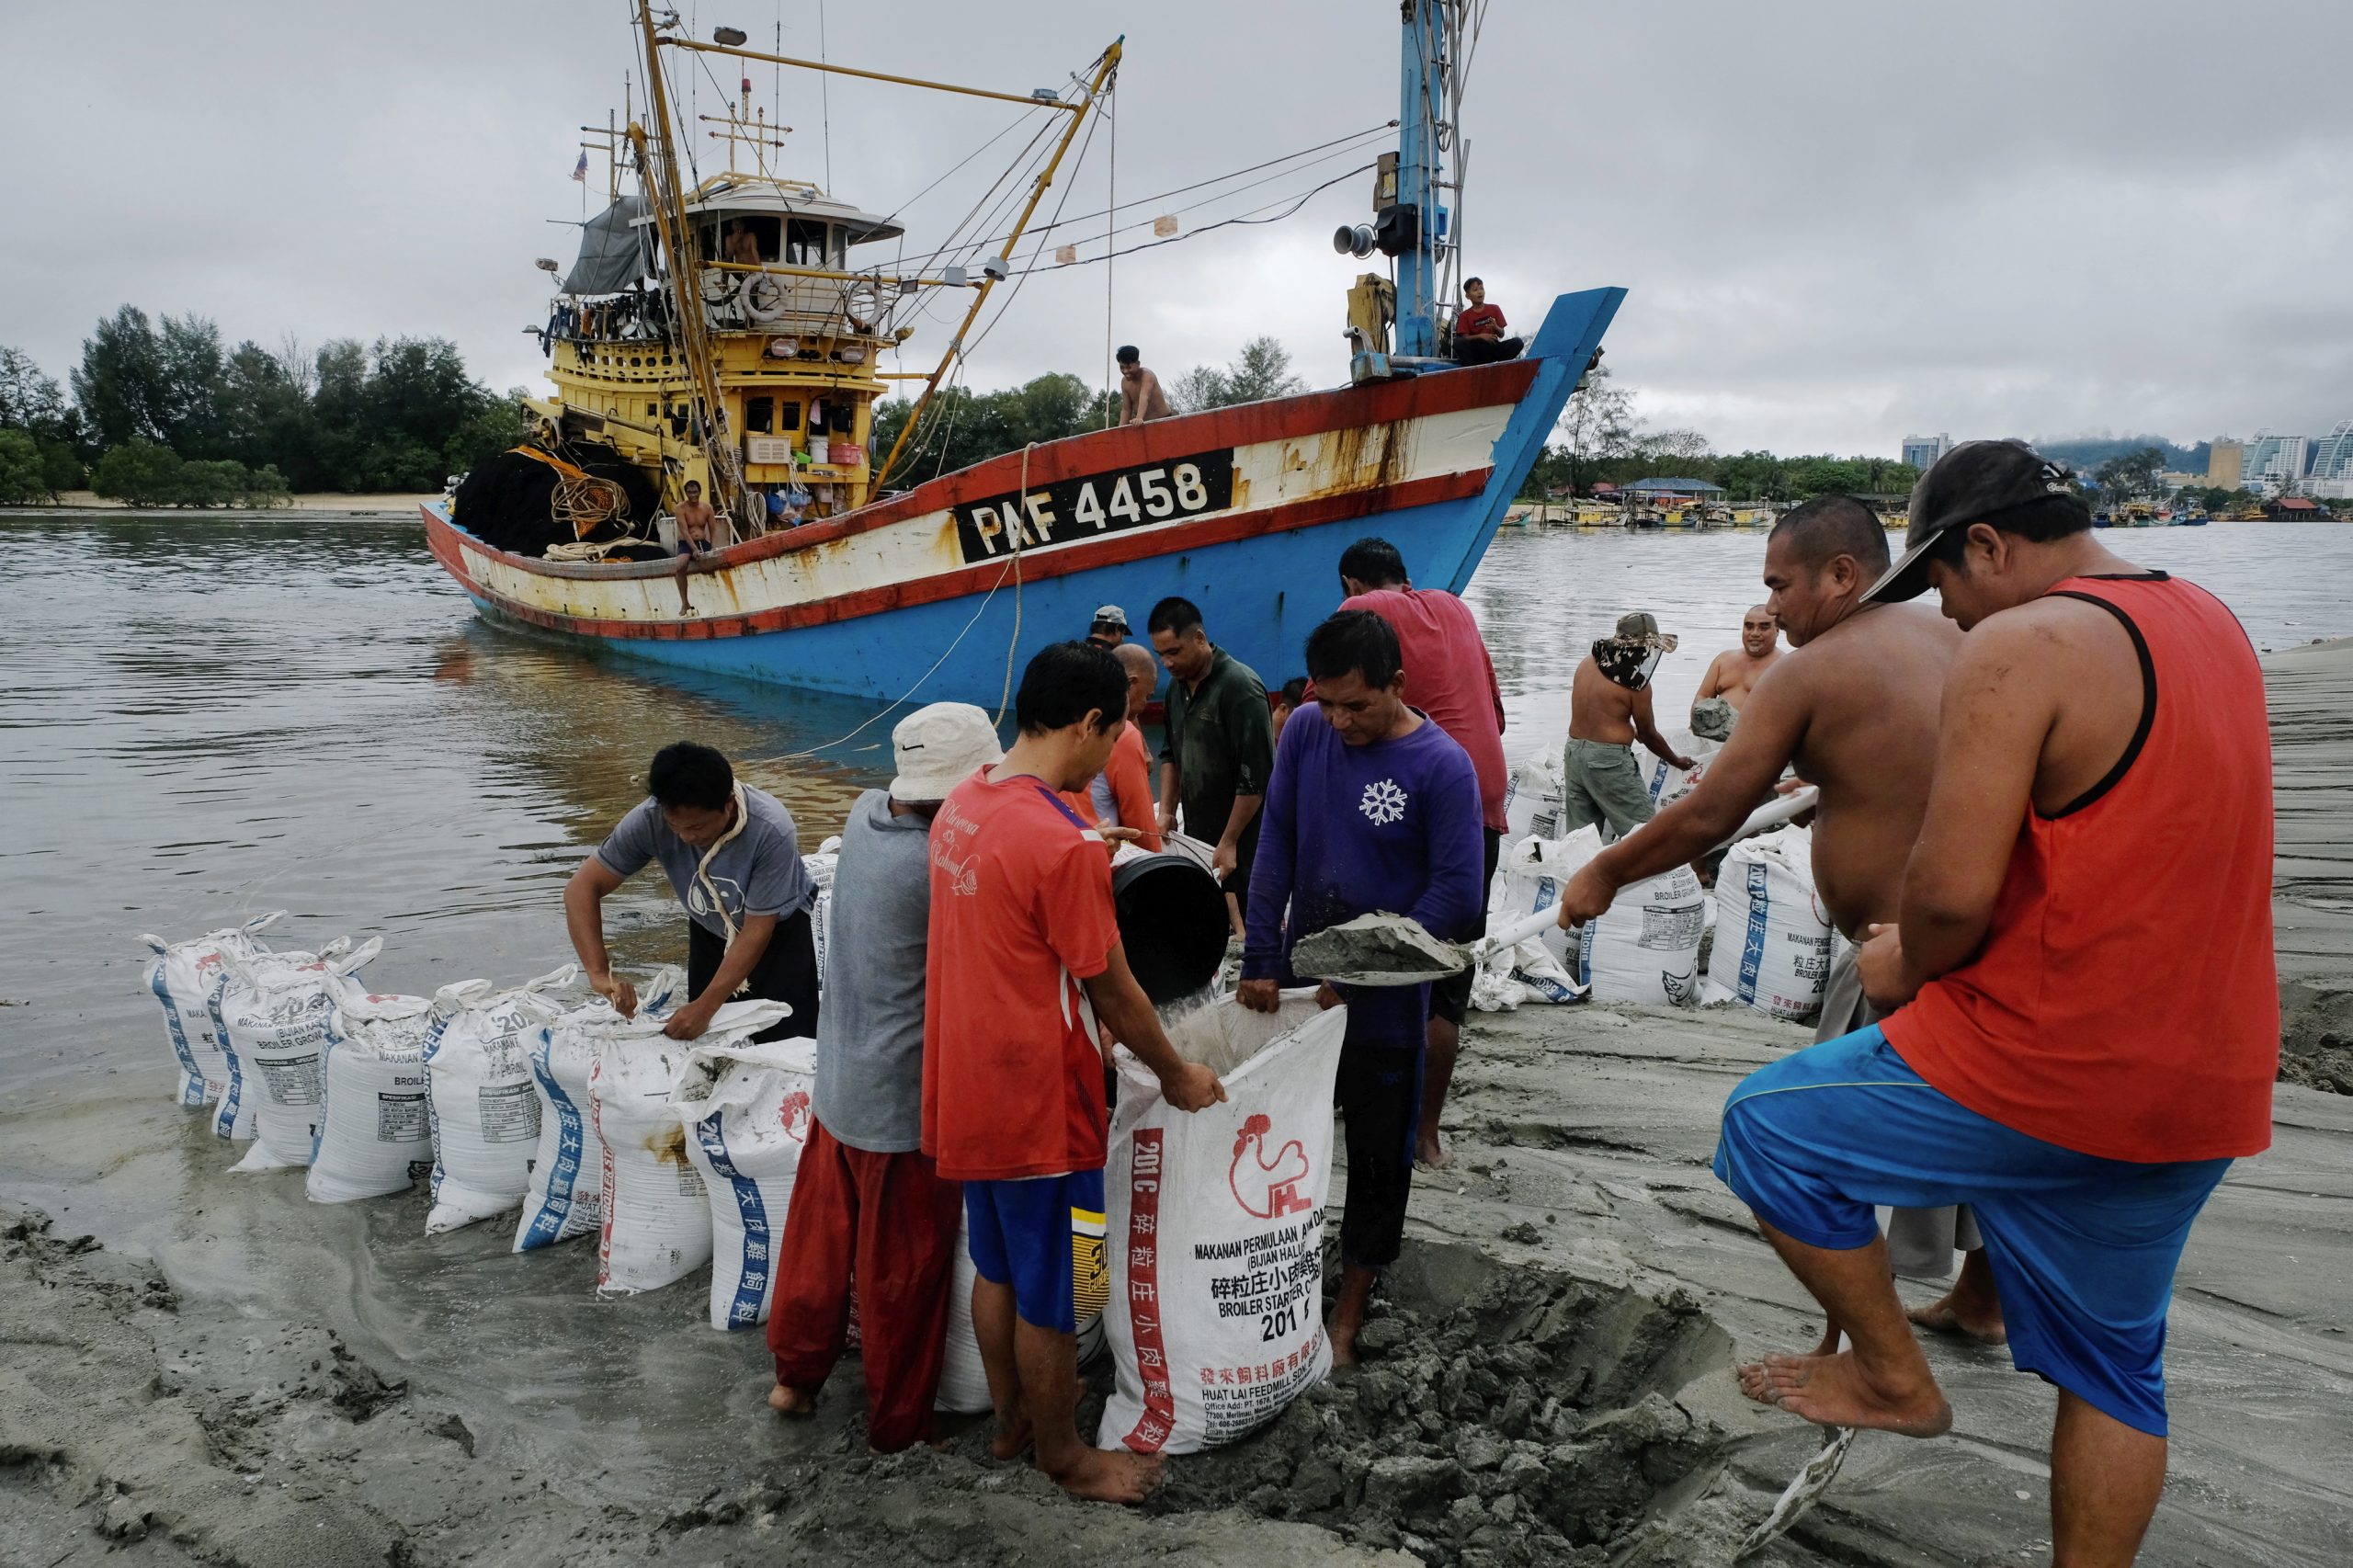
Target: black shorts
[1379, 1096]
[1450, 997]
[787, 973]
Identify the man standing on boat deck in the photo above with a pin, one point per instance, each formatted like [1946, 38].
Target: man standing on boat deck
[1140, 398]
[2103, 763]
[1373, 807]
[867, 1202]
[1024, 940]
[1453, 680]
[1609, 710]
[1219, 745]
[1853, 707]
[733, 858]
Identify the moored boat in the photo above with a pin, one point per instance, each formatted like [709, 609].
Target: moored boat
[735, 347]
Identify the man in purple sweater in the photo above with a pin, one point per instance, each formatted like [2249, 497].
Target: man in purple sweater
[1371, 807]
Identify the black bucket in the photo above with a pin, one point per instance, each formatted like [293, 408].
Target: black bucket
[1172, 922]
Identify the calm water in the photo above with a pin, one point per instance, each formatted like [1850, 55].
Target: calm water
[209, 718]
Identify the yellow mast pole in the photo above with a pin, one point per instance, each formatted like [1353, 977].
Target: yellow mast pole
[1105, 70]
[685, 270]
[1048, 102]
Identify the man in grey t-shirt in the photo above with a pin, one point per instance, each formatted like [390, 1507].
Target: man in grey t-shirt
[733, 858]
[867, 1200]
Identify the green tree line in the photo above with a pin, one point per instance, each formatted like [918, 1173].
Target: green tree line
[163, 414]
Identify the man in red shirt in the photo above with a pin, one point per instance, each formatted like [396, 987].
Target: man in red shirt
[1452, 678]
[1024, 941]
[1119, 800]
[2103, 763]
[1479, 329]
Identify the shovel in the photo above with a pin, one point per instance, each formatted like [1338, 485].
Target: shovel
[1394, 949]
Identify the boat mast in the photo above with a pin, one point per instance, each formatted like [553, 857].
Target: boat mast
[1422, 110]
[1105, 69]
[659, 170]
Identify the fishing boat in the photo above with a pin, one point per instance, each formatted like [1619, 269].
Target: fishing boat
[718, 331]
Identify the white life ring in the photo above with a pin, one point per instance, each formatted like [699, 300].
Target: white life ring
[766, 302]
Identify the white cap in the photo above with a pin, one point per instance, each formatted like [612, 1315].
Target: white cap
[938, 747]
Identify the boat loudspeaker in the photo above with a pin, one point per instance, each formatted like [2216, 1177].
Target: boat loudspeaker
[1353, 238]
[995, 267]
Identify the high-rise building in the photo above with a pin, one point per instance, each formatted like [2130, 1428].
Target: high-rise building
[2277, 462]
[2226, 464]
[1922, 451]
[2332, 454]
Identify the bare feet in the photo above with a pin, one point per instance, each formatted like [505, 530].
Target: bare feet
[1430, 1154]
[1831, 1337]
[1012, 1437]
[1834, 1390]
[1949, 1315]
[791, 1401]
[1344, 1350]
[1108, 1475]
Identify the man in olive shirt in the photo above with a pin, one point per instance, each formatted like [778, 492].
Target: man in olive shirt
[1220, 748]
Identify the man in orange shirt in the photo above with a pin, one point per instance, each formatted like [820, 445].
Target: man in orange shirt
[1120, 795]
[1024, 941]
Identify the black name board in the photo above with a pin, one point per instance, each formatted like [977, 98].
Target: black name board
[1105, 503]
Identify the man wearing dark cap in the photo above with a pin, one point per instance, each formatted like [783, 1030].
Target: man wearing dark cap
[2103, 764]
[1140, 398]
[1109, 628]
[1609, 710]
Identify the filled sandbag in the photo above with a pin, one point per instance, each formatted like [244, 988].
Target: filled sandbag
[820, 866]
[964, 1379]
[1529, 881]
[656, 1209]
[486, 1111]
[1665, 782]
[1216, 1319]
[1646, 945]
[565, 1181]
[375, 1131]
[187, 977]
[1773, 937]
[747, 1118]
[1532, 797]
[275, 1013]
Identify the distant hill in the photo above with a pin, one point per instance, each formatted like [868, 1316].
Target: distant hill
[2086, 453]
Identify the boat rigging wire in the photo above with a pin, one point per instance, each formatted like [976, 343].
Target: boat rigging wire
[1295, 204]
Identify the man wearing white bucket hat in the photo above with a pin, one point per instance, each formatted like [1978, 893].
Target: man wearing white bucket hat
[867, 1202]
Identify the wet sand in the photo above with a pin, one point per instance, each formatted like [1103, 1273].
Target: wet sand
[242, 1377]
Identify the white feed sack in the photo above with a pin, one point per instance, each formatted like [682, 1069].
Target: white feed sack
[376, 1136]
[485, 1110]
[187, 977]
[1529, 881]
[656, 1209]
[1665, 782]
[1216, 1237]
[964, 1380]
[1645, 947]
[564, 1194]
[1532, 797]
[819, 867]
[1772, 948]
[746, 1109]
[275, 1013]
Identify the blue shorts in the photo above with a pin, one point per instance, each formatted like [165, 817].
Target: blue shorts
[2084, 1249]
[1019, 1233]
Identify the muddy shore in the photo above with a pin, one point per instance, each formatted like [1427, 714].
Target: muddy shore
[228, 1374]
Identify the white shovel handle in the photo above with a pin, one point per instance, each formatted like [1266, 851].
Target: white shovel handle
[1518, 931]
[1774, 812]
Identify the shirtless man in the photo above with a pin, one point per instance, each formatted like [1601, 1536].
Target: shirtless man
[1734, 673]
[1854, 706]
[697, 538]
[2096, 719]
[1609, 710]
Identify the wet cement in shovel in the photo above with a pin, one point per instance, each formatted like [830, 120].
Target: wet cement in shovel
[1379, 950]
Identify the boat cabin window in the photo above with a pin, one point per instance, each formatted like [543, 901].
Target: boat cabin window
[720, 241]
[809, 242]
[787, 415]
[759, 416]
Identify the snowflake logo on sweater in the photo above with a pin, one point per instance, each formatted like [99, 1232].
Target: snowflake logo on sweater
[1383, 802]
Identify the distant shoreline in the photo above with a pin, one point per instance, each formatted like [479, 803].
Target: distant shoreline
[83, 503]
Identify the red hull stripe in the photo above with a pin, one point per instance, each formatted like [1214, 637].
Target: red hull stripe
[450, 546]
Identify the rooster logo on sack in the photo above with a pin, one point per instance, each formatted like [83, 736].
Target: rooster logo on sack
[794, 1115]
[1267, 1188]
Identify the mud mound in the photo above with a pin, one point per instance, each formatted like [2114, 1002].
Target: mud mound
[1501, 1415]
[2316, 1037]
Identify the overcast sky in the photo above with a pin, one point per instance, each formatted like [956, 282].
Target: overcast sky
[1840, 222]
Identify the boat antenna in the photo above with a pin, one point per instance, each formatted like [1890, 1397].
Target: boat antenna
[1106, 69]
[825, 94]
